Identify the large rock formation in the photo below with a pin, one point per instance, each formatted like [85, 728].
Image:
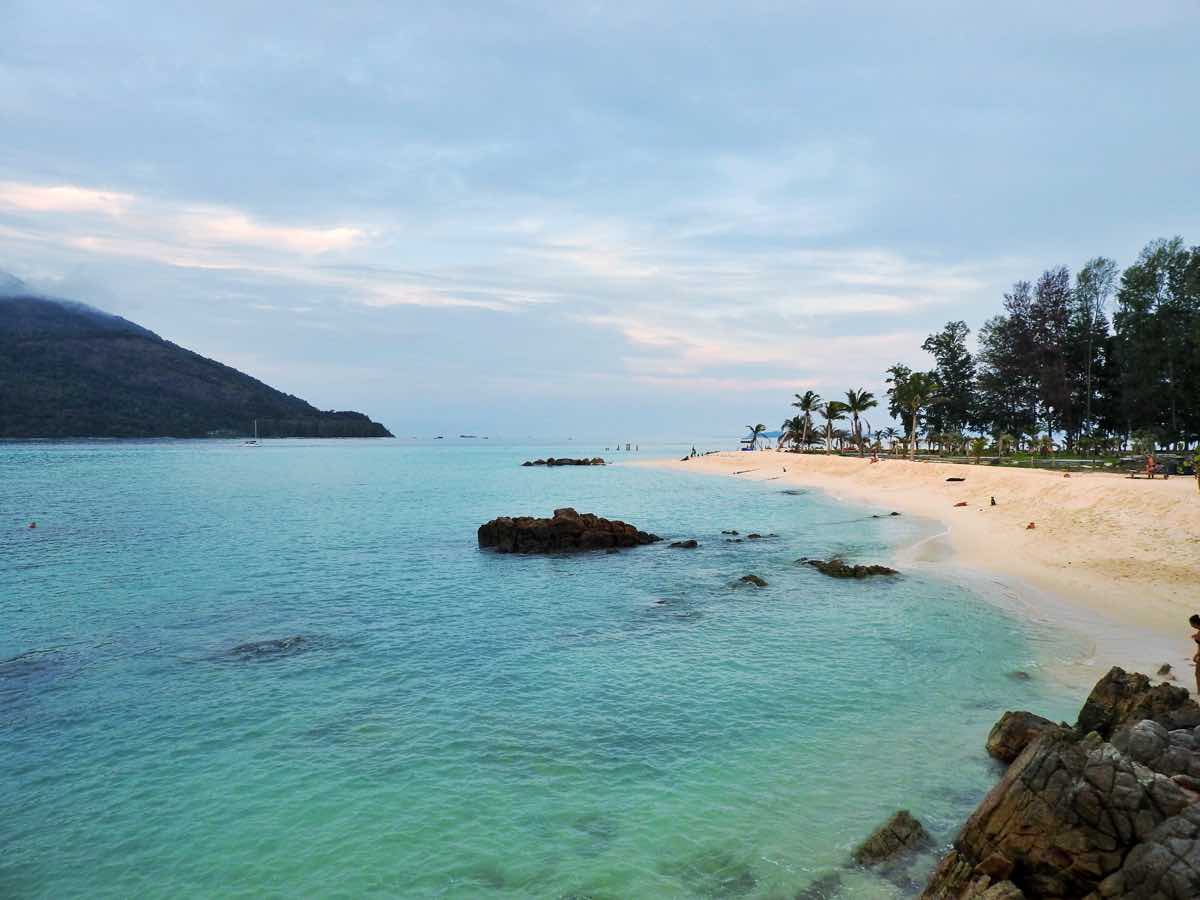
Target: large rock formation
[565, 531]
[1079, 816]
[1121, 697]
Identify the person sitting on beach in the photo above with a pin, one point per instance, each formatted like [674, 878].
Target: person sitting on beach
[1194, 621]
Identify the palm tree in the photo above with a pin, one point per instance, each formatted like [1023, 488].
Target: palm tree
[1002, 438]
[793, 430]
[915, 393]
[890, 434]
[808, 403]
[833, 411]
[859, 402]
[755, 432]
[1045, 445]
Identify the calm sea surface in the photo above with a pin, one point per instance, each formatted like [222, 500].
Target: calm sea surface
[458, 723]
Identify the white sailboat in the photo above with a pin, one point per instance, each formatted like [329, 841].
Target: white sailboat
[253, 443]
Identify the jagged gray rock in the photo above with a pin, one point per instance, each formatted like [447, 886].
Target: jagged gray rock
[1107, 809]
[1123, 697]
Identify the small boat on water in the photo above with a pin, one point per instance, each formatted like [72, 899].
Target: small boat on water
[254, 442]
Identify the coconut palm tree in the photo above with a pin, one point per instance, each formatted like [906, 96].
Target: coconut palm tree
[915, 393]
[808, 403]
[890, 434]
[833, 411]
[1001, 438]
[859, 402]
[793, 430]
[756, 431]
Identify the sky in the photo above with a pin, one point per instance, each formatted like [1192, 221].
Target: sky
[619, 221]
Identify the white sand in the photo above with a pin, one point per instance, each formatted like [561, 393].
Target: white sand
[1112, 558]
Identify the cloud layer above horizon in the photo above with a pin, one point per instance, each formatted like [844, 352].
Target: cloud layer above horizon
[551, 219]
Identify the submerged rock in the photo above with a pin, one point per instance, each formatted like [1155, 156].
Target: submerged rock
[838, 568]
[900, 835]
[689, 544]
[274, 647]
[754, 580]
[566, 531]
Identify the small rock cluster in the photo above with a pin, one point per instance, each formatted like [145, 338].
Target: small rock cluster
[839, 568]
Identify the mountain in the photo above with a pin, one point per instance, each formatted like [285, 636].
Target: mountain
[68, 370]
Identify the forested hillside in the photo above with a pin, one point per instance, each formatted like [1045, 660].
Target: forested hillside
[67, 370]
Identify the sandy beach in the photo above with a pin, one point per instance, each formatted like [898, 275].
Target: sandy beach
[1114, 559]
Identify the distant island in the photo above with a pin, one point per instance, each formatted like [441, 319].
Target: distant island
[69, 370]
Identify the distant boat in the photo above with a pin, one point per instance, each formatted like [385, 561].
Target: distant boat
[253, 443]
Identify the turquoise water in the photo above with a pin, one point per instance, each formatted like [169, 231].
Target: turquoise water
[458, 723]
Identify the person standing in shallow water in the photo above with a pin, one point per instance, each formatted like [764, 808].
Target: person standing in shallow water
[1194, 621]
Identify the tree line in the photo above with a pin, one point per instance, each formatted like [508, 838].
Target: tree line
[1096, 361]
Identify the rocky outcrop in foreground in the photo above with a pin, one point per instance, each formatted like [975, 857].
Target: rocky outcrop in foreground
[1104, 810]
[566, 531]
[594, 461]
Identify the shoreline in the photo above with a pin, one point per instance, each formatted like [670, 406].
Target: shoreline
[1108, 561]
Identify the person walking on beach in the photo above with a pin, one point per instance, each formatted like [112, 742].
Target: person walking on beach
[1194, 621]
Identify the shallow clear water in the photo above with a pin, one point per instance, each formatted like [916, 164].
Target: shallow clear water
[459, 723]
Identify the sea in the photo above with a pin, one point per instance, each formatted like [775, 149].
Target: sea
[287, 670]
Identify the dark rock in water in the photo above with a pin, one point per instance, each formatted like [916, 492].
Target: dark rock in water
[689, 544]
[729, 532]
[755, 536]
[563, 461]
[754, 580]
[733, 540]
[1014, 732]
[1121, 697]
[794, 493]
[565, 531]
[838, 568]
[275, 647]
[893, 513]
[1164, 670]
[1020, 675]
[899, 835]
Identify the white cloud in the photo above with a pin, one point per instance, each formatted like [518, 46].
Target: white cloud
[62, 198]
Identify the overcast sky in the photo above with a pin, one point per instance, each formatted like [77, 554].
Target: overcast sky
[653, 219]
